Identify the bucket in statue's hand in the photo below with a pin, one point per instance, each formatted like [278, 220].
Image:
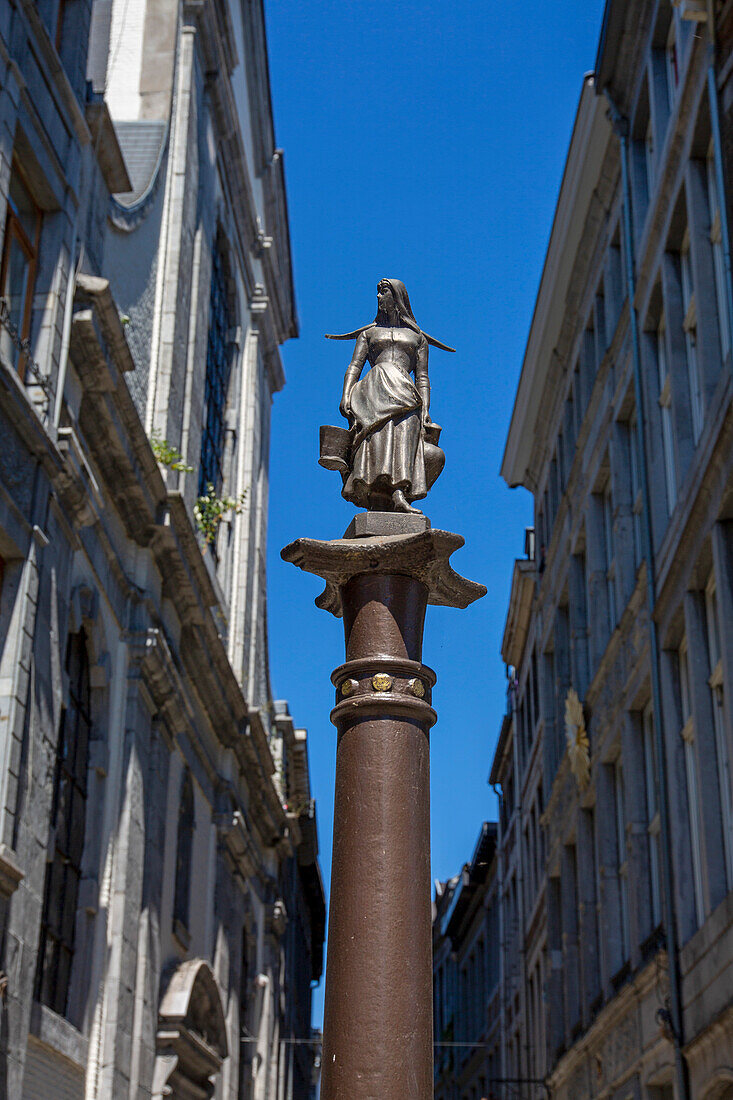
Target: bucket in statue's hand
[434, 456]
[335, 447]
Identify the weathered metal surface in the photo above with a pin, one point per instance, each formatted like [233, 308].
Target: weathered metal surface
[378, 1011]
[424, 555]
[389, 455]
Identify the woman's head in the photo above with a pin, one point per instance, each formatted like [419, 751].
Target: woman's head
[392, 298]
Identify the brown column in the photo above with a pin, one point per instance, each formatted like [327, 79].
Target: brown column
[378, 1032]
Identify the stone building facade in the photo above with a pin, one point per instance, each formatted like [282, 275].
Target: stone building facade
[161, 905]
[619, 987]
[466, 986]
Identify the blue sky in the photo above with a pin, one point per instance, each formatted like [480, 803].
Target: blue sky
[423, 140]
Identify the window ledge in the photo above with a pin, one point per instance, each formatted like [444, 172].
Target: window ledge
[10, 872]
[59, 1034]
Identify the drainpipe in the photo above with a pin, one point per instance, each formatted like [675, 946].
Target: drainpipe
[521, 915]
[621, 128]
[719, 174]
[500, 903]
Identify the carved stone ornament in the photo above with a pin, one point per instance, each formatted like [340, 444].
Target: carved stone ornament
[577, 739]
[191, 1042]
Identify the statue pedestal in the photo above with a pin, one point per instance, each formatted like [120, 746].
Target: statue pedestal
[378, 1032]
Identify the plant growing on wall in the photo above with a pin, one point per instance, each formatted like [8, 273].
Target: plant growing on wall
[167, 455]
[210, 509]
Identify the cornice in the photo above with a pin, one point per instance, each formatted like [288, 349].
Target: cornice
[577, 202]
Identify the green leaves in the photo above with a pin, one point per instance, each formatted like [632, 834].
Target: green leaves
[167, 455]
[210, 509]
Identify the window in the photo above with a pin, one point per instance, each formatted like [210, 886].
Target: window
[608, 545]
[693, 799]
[18, 265]
[184, 852]
[652, 813]
[690, 326]
[665, 401]
[672, 61]
[623, 866]
[636, 499]
[716, 240]
[218, 370]
[715, 683]
[68, 814]
[649, 154]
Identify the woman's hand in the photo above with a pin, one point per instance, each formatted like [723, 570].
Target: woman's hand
[345, 406]
[426, 421]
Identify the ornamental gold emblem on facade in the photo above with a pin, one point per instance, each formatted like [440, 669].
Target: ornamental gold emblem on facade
[577, 739]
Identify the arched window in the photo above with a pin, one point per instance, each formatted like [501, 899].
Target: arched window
[68, 814]
[218, 370]
[184, 851]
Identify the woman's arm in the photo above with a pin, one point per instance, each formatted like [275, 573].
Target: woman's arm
[353, 371]
[421, 379]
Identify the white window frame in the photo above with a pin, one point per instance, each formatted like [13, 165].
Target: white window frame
[716, 241]
[717, 701]
[693, 795]
[665, 405]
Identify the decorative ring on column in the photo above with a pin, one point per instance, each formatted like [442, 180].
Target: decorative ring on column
[348, 686]
[382, 682]
[417, 687]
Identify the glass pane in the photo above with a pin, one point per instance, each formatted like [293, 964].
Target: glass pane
[23, 207]
[64, 814]
[15, 288]
[71, 893]
[76, 833]
[48, 970]
[62, 981]
[82, 754]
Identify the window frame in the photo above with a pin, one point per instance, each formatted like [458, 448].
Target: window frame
[716, 242]
[68, 820]
[622, 865]
[672, 61]
[665, 406]
[687, 733]
[185, 832]
[14, 230]
[717, 703]
[219, 364]
[689, 325]
[654, 823]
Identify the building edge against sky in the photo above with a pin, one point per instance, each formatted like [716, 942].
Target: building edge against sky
[582, 998]
[160, 895]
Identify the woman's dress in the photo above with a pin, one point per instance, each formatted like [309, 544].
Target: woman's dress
[387, 452]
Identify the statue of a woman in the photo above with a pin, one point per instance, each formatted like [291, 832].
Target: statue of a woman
[391, 456]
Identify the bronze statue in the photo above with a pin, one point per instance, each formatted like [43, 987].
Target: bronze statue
[389, 456]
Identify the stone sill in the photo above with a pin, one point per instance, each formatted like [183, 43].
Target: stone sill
[59, 1034]
[10, 872]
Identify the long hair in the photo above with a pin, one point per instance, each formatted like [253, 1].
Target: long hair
[404, 311]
